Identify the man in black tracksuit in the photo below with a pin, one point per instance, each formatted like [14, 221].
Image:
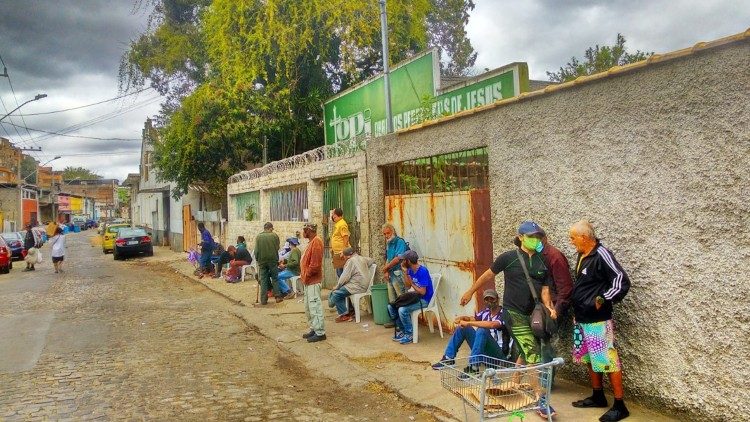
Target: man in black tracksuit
[600, 283]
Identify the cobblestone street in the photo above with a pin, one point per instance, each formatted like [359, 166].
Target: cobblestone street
[114, 340]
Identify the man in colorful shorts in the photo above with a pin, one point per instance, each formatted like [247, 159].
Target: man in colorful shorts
[600, 283]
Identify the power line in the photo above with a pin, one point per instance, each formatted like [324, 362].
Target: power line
[7, 75]
[78, 136]
[97, 154]
[87, 105]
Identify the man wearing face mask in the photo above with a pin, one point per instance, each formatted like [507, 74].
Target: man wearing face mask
[518, 303]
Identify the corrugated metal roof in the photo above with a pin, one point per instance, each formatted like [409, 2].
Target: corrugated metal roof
[617, 70]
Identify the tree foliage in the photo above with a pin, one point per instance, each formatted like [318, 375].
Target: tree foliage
[598, 59]
[28, 169]
[71, 173]
[239, 72]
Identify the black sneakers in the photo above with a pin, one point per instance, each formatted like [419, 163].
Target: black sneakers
[308, 335]
[444, 363]
[616, 413]
[314, 338]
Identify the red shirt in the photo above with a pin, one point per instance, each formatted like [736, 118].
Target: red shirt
[562, 281]
[311, 265]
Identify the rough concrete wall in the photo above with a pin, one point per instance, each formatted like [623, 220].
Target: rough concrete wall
[311, 175]
[659, 160]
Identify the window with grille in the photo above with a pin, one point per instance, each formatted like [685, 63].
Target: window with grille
[287, 204]
[458, 171]
[248, 206]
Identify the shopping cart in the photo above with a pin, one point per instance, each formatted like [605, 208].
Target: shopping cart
[499, 387]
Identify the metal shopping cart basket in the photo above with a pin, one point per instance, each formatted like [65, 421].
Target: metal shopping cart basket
[499, 387]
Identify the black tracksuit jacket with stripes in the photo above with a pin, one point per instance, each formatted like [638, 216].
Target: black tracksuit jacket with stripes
[598, 274]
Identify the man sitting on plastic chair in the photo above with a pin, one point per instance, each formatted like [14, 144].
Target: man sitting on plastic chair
[485, 333]
[417, 279]
[289, 267]
[355, 279]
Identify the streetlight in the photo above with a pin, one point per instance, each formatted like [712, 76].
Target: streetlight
[37, 168]
[37, 97]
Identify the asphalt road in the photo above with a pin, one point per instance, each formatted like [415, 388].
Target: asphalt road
[110, 340]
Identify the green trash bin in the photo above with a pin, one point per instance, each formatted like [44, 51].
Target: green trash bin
[380, 303]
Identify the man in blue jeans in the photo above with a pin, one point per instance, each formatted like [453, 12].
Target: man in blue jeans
[416, 278]
[485, 334]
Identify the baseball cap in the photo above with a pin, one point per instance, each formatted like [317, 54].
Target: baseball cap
[490, 293]
[529, 227]
[293, 241]
[409, 255]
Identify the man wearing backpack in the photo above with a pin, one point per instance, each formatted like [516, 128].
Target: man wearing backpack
[600, 283]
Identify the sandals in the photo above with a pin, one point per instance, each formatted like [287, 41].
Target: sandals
[589, 402]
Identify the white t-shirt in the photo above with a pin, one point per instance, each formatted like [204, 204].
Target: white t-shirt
[58, 245]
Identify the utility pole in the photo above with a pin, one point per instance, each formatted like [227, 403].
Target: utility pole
[386, 70]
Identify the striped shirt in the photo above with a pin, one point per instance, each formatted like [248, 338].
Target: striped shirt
[486, 315]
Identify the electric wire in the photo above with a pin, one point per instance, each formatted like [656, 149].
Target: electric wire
[87, 105]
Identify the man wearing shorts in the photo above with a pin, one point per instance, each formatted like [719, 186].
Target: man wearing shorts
[600, 283]
[518, 303]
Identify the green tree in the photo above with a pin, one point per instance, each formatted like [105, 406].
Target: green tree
[598, 59]
[446, 24]
[71, 173]
[28, 169]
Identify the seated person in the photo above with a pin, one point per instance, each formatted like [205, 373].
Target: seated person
[416, 279]
[239, 258]
[355, 279]
[289, 267]
[219, 259]
[241, 244]
[485, 333]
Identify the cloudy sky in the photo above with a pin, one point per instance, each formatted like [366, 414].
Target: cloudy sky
[70, 50]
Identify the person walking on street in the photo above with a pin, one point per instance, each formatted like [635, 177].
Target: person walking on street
[600, 283]
[518, 301]
[57, 245]
[311, 274]
[29, 243]
[339, 240]
[267, 256]
[207, 248]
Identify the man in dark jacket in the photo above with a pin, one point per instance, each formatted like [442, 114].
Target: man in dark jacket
[267, 246]
[28, 243]
[600, 283]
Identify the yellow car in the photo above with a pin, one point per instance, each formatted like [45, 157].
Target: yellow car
[109, 234]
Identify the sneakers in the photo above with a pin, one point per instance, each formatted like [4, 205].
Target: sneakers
[616, 413]
[343, 318]
[315, 338]
[590, 402]
[308, 335]
[545, 410]
[406, 339]
[444, 363]
[398, 336]
[469, 371]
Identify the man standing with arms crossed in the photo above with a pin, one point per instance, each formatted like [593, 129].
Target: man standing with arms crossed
[311, 274]
[600, 283]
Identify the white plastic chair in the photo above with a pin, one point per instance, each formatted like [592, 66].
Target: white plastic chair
[253, 266]
[431, 307]
[354, 299]
[293, 282]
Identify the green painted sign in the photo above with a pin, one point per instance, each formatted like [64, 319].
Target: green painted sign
[360, 110]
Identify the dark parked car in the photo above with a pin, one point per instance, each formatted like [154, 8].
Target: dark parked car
[91, 224]
[6, 264]
[132, 241]
[15, 243]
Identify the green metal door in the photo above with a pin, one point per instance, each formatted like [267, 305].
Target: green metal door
[339, 193]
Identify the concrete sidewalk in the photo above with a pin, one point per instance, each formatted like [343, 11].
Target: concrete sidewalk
[361, 355]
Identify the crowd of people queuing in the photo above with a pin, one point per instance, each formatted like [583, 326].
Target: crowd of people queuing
[534, 272]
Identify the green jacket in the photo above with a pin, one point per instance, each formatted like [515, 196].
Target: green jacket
[267, 246]
[292, 264]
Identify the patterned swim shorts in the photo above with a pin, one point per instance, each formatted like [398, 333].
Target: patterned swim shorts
[594, 344]
[520, 331]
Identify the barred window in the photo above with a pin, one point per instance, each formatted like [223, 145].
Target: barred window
[458, 171]
[287, 204]
[248, 206]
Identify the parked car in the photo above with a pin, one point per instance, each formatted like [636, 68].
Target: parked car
[132, 241]
[6, 262]
[38, 238]
[14, 241]
[91, 224]
[109, 235]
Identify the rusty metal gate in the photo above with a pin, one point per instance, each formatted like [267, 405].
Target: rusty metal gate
[339, 193]
[441, 206]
